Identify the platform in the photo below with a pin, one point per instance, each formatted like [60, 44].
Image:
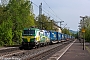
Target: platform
[73, 51]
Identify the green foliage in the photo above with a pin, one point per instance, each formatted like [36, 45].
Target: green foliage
[44, 22]
[87, 29]
[87, 35]
[20, 14]
[14, 17]
[6, 32]
[18, 37]
[65, 31]
[5, 27]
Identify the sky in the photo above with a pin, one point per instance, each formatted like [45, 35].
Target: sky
[68, 11]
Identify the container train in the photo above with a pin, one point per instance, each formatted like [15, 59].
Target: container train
[34, 37]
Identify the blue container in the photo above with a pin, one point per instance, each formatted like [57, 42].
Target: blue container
[53, 36]
[63, 36]
[70, 36]
[59, 36]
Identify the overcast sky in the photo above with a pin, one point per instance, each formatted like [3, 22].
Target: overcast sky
[67, 10]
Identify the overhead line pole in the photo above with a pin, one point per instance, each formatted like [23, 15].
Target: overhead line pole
[60, 22]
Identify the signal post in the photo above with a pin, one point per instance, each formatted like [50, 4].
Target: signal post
[83, 30]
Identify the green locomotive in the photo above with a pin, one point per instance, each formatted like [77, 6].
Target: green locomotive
[33, 37]
[30, 37]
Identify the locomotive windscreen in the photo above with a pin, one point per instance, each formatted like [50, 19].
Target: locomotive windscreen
[32, 31]
[28, 32]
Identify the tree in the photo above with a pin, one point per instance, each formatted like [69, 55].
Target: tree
[14, 17]
[44, 22]
[20, 15]
[5, 27]
[87, 28]
[65, 31]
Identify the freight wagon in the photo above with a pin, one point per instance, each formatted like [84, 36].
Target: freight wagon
[53, 37]
[59, 36]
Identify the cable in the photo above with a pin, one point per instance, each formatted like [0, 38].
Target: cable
[35, 4]
[52, 10]
[42, 10]
[49, 12]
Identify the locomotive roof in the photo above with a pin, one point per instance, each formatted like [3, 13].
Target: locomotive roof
[30, 28]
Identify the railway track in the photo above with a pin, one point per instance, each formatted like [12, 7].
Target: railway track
[7, 50]
[47, 54]
[34, 54]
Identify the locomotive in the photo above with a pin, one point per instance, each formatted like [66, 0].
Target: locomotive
[34, 37]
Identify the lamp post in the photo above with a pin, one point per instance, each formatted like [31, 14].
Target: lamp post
[83, 30]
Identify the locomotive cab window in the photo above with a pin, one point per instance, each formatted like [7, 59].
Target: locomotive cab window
[28, 32]
[32, 32]
[25, 32]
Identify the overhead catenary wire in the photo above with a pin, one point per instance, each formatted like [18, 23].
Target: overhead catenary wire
[49, 12]
[52, 10]
[54, 13]
[35, 4]
[42, 10]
